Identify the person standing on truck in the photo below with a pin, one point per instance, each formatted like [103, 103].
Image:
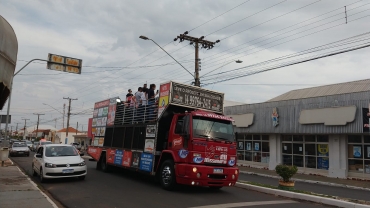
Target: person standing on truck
[139, 95]
[151, 101]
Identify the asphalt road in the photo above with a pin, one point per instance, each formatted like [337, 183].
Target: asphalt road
[122, 188]
[316, 188]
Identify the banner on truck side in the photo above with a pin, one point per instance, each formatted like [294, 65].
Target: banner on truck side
[164, 93]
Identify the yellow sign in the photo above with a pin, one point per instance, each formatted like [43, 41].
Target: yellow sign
[163, 102]
[323, 149]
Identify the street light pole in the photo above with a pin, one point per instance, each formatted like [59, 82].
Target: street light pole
[10, 94]
[146, 38]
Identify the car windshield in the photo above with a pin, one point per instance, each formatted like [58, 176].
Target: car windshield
[19, 145]
[213, 129]
[60, 151]
[29, 142]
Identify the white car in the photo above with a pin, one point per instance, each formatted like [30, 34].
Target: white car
[58, 161]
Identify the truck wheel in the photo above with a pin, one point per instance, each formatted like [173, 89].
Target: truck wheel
[103, 164]
[168, 175]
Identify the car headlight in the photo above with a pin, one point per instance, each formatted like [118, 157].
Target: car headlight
[82, 164]
[50, 165]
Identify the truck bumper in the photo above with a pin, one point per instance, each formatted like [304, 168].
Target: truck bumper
[201, 175]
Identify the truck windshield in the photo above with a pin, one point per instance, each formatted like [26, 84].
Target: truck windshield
[213, 129]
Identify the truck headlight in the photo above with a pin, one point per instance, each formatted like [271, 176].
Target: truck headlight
[50, 165]
[82, 164]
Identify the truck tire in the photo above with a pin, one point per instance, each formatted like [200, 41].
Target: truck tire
[168, 175]
[103, 164]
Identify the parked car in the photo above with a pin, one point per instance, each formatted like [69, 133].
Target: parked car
[34, 146]
[19, 148]
[43, 143]
[77, 145]
[58, 161]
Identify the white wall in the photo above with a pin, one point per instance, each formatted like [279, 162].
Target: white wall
[338, 162]
[275, 151]
[62, 136]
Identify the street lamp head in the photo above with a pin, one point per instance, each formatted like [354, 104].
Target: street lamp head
[144, 37]
[239, 61]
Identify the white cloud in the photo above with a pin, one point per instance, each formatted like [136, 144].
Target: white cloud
[105, 33]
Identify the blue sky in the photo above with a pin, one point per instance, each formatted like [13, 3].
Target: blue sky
[105, 34]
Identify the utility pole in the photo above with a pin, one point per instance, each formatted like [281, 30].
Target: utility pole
[25, 124]
[64, 113]
[77, 128]
[38, 120]
[196, 42]
[56, 122]
[69, 113]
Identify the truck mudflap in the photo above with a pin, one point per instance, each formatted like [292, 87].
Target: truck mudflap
[201, 175]
[94, 152]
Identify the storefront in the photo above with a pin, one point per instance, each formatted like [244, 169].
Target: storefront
[321, 130]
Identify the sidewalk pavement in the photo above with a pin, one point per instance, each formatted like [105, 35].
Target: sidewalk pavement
[348, 183]
[342, 188]
[17, 190]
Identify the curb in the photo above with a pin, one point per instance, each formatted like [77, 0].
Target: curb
[34, 184]
[309, 181]
[299, 196]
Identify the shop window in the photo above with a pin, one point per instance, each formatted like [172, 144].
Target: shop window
[359, 154]
[254, 148]
[310, 162]
[298, 138]
[309, 138]
[287, 148]
[256, 137]
[287, 138]
[298, 148]
[354, 139]
[307, 151]
[265, 146]
[310, 149]
[367, 139]
[322, 138]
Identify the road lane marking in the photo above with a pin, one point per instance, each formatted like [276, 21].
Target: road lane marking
[246, 204]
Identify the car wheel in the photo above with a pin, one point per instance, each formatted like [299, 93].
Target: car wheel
[42, 179]
[168, 175]
[81, 178]
[33, 171]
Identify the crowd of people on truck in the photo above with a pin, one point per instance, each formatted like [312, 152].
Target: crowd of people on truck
[141, 106]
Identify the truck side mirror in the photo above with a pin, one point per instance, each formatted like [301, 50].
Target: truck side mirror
[236, 136]
[185, 127]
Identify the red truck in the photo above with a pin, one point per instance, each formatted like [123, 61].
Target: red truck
[182, 138]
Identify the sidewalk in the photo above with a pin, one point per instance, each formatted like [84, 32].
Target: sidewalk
[18, 191]
[344, 188]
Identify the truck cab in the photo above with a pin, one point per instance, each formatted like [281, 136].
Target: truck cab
[202, 145]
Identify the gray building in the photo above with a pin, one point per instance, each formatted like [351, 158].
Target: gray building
[322, 130]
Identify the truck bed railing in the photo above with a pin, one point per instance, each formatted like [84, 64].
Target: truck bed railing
[132, 113]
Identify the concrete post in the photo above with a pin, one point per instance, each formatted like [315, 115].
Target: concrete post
[338, 162]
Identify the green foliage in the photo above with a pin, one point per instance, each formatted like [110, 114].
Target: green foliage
[286, 172]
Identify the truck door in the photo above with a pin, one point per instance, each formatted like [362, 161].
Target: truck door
[176, 139]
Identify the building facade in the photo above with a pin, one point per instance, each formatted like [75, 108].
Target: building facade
[321, 130]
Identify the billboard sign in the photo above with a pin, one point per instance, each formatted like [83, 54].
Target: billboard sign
[63, 63]
[196, 97]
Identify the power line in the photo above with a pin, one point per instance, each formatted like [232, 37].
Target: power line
[290, 64]
[218, 16]
[246, 17]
